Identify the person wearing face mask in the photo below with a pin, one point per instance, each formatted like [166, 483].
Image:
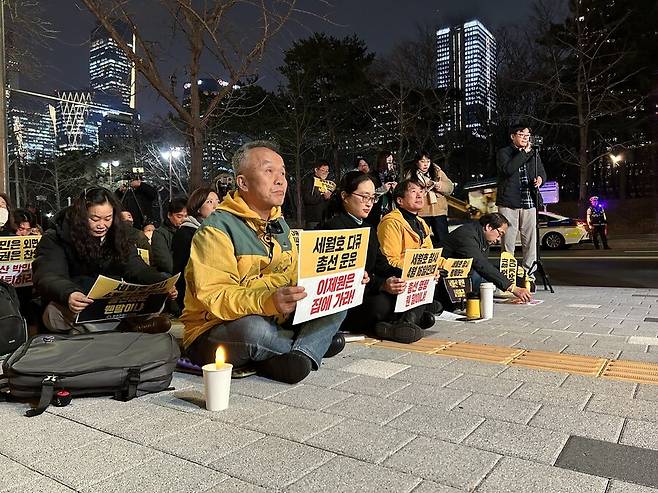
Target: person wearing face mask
[88, 240]
[7, 226]
[472, 240]
[437, 187]
[349, 209]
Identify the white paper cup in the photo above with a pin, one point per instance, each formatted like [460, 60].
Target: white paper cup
[217, 386]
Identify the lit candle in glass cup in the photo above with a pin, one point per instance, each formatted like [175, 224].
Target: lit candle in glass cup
[217, 382]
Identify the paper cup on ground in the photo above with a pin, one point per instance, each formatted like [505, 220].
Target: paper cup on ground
[217, 385]
[486, 299]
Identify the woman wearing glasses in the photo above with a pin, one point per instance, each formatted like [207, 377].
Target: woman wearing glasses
[89, 239]
[348, 209]
[437, 187]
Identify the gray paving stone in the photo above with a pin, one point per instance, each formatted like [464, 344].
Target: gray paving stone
[293, 423]
[377, 387]
[432, 487]
[547, 346]
[375, 368]
[535, 376]
[380, 354]
[87, 465]
[327, 377]
[273, 462]
[518, 440]
[164, 473]
[361, 440]
[367, 408]
[624, 487]
[443, 462]
[640, 434]
[452, 426]
[500, 408]
[591, 351]
[636, 409]
[647, 392]
[233, 485]
[549, 394]
[100, 411]
[310, 397]
[646, 357]
[13, 473]
[52, 436]
[600, 386]
[349, 475]
[207, 441]
[428, 376]
[427, 395]
[470, 367]
[338, 362]
[501, 340]
[485, 385]
[582, 423]
[39, 484]
[426, 360]
[151, 427]
[516, 475]
[258, 387]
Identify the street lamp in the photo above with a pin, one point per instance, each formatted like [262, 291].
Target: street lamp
[170, 155]
[109, 165]
[616, 158]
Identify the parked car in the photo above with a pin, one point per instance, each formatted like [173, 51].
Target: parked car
[555, 231]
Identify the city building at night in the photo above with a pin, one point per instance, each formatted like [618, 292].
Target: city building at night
[466, 68]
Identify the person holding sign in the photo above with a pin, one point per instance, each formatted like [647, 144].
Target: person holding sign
[472, 240]
[349, 209]
[241, 276]
[316, 192]
[89, 239]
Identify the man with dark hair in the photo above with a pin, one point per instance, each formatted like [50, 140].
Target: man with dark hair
[137, 197]
[472, 240]
[316, 192]
[161, 251]
[520, 174]
[241, 279]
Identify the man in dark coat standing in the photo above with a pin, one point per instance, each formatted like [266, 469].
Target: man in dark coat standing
[520, 174]
[137, 197]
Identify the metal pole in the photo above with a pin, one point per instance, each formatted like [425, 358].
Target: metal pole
[170, 166]
[3, 104]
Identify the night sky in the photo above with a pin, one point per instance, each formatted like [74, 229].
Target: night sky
[380, 23]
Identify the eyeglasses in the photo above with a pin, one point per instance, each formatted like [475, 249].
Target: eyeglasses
[523, 135]
[500, 233]
[366, 199]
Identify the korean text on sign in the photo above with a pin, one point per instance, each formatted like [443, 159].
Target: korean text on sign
[331, 268]
[508, 266]
[457, 282]
[16, 255]
[419, 270]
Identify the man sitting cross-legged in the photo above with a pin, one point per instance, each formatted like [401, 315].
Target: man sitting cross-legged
[241, 279]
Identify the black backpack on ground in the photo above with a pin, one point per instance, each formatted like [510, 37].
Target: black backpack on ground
[97, 363]
[13, 329]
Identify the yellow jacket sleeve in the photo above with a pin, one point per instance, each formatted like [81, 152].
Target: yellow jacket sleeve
[389, 234]
[212, 277]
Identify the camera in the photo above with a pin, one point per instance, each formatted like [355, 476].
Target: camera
[536, 140]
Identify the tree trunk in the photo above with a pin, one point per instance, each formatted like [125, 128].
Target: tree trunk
[196, 159]
[583, 162]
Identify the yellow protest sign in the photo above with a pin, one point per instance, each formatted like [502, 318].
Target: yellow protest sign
[508, 266]
[117, 299]
[294, 234]
[457, 283]
[144, 254]
[419, 270]
[16, 255]
[457, 267]
[331, 266]
[324, 186]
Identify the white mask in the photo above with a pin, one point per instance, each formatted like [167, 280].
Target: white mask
[4, 216]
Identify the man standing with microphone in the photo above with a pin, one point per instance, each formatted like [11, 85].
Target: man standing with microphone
[520, 174]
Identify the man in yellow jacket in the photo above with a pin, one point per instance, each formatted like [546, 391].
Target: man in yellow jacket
[241, 279]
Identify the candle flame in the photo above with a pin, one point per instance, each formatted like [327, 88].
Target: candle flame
[220, 357]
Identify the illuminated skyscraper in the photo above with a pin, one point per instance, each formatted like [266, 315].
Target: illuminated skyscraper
[110, 71]
[466, 68]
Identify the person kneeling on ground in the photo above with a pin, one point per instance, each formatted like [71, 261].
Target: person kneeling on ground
[241, 276]
[349, 208]
[472, 240]
[89, 239]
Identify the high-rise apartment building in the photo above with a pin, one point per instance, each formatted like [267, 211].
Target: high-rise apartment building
[466, 68]
[110, 71]
[31, 130]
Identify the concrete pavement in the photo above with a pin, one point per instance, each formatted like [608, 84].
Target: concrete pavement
[376, 419]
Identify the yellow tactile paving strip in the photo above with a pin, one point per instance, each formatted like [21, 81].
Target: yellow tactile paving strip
[632, 371]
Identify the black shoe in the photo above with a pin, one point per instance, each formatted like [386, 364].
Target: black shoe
[607, 248]
[426, 320]
[404, 332]
[154, 325]
[336, 346]
[292, 367]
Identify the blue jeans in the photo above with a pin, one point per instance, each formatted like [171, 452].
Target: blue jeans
[439, 226]
[257, 338]
[476, 280]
